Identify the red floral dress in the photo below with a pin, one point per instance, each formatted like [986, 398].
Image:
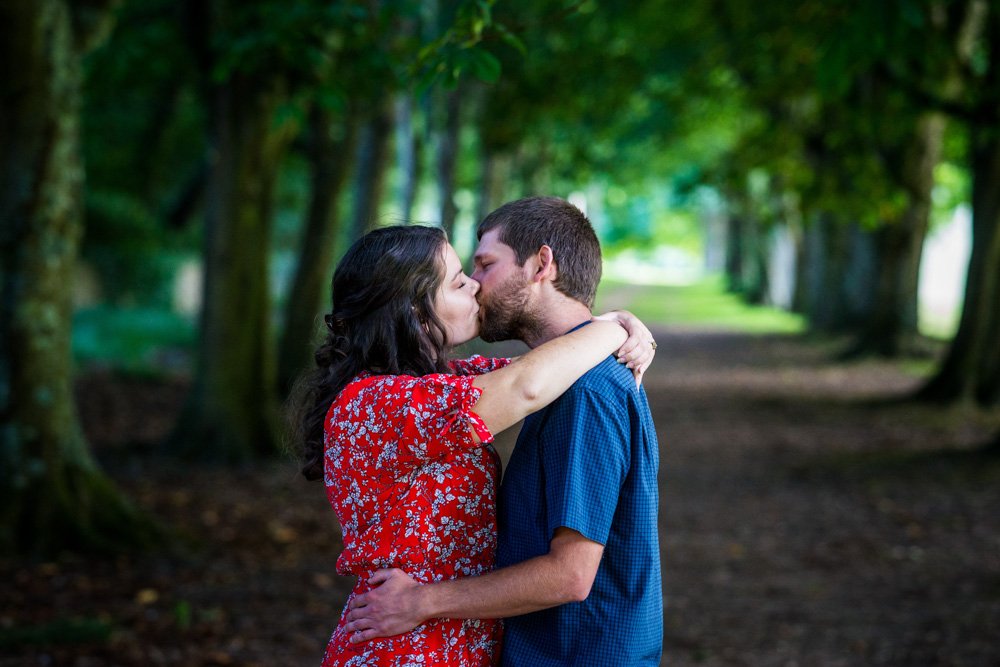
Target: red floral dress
[413, 490]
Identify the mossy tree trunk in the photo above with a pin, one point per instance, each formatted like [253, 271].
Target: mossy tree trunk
[232, 412]
[52, 494]
[329, 149]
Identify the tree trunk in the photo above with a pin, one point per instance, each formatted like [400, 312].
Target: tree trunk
[988, 378]
[329, 162]
[448, 158]
[960, 374]
[231, 414]
[372, 165]
[734, 252]
[754, 281]
[987, 387]
[892, 327]
[493, 183]
[52, 494]
[838, 267]
[408, 149]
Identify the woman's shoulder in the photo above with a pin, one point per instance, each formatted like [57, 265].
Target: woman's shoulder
[370, 383]
[478, 365]
[372, 387]
[404, 399]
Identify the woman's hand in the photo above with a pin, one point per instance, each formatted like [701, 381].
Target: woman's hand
[639, 348]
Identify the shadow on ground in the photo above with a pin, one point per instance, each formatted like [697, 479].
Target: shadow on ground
[807, 518]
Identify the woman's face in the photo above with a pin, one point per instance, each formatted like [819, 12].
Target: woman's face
[455, 302]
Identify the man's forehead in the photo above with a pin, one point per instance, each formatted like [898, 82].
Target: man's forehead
[490, 245]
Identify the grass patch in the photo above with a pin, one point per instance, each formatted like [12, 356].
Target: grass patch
[59, 631]
[137, 341]
[705, 303]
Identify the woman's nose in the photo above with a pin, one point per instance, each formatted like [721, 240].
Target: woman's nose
[475, 285]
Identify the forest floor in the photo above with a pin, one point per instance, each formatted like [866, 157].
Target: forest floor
[807, 518]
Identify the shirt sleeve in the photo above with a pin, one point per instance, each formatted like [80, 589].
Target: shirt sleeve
[586, 459]
[416, 420]
[477, 365]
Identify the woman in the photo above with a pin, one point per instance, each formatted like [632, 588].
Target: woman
[401, 436]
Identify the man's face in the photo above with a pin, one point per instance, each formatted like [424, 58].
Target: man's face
[503, 293]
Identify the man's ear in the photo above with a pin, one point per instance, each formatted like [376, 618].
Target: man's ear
[545, 265]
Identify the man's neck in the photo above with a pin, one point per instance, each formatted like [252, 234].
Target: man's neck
[556, 317]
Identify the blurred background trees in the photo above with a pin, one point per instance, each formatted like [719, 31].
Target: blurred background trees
[805, 150]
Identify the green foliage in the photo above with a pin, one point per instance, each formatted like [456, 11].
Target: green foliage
[951, 190]
[143, 145]
[294, 40]
[781, 110]
[182, 615]
[127, 244]
[461, 49]
[136, 341]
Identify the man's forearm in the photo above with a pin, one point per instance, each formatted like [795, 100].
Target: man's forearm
[397, 603]
[538, 583]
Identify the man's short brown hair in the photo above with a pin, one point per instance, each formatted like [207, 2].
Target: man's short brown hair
[527, 224]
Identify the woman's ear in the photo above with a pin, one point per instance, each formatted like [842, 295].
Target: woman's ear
[420, 318]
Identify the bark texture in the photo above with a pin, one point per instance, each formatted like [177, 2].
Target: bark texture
[52, 494]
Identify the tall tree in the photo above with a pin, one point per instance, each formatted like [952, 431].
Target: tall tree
[891, 327]
[409, 146]
[53, 494]
[955, 70]
[372, 164]
[232, 411]
[372, 59]
[329, 146]
[447, 162]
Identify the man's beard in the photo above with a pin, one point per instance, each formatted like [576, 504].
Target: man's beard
[505, 315]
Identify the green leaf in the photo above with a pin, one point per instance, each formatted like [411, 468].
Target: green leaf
[511, 39]
[484, 66]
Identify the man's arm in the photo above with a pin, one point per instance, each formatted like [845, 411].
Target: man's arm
[399, 604]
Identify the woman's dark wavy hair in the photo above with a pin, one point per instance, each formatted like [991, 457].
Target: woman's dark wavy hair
[382, 321]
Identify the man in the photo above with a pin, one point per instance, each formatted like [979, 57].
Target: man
[578, 575]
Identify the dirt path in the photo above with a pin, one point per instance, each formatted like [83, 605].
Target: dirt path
[803, 524]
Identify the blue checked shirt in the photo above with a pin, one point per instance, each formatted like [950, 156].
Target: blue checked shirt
[588, 462]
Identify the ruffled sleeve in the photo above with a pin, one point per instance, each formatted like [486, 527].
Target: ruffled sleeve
[477, 365]
[410, 421]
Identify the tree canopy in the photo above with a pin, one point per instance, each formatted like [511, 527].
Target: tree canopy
[253, 141]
